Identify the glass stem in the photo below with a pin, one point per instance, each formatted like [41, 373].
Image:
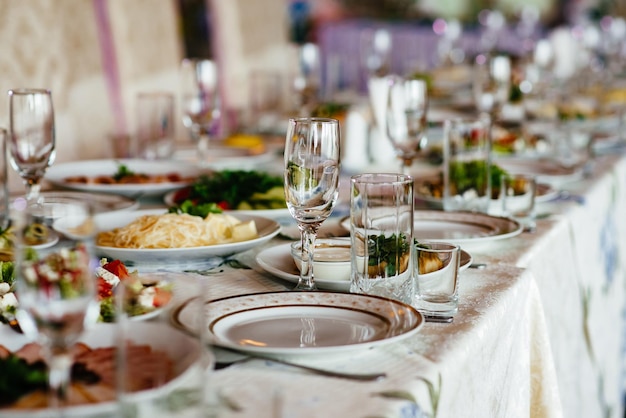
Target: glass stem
[406, 166]
[60, 366]
[307, 280]
[33, 189]
[203, 148]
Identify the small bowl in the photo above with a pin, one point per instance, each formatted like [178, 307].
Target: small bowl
[331, 258]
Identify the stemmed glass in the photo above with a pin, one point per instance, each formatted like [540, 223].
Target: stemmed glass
[55, 283]
[407, 105]
[311, 182]
[200, 102]
[492, 84]
[32, 137]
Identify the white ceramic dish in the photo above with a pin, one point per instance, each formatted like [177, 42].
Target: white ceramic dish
[277, 260]
[306, 323]
[331, 260]
[222, 157]
[546, 170]
[58, 173]
[178, 345]
[266, 213]
[266, 229]
[101, 202]
[470, 230]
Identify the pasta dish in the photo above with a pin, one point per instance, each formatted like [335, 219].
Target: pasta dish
[173, 230]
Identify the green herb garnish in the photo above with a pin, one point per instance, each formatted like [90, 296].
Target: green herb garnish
[387, 256]
[122, 171]
[19, 378]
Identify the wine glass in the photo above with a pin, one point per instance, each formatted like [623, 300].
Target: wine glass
[32, 138]
[55, 283]
[200, 102]
[407, 105]
[492, 83]
[311, 182]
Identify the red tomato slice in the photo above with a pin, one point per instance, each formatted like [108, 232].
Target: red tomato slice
[118, 268]
[161, 297]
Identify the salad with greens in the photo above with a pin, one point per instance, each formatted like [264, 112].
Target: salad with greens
[230, 190]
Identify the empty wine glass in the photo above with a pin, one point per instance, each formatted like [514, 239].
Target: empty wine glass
[200, 102]
[55, 283]
[492, 83]
[407, 105]
[32, 139]
[311, 182]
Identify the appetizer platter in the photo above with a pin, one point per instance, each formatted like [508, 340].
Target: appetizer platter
[149, 294]
[246, 192]
[128, 177]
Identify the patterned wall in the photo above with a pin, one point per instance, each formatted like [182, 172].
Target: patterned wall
[56, 45]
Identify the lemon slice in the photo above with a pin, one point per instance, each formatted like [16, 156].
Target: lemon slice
[252, 142]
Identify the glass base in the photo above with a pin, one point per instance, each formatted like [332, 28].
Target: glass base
[436, 308]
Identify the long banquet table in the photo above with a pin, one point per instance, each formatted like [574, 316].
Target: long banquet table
[540, 330]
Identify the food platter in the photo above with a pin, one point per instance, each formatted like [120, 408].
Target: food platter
[277, 260]
[176, 344]
[59, 175]
[305, 323]
[266, 228]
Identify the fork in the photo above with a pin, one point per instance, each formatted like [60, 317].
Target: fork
[364, 377]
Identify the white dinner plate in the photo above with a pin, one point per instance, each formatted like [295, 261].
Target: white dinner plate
[266, 228]
[546, 170]
[305, 323]
[277, 260]
[58, 173]
[100, 202]
[266, 213]
[178, 345]
[467, 229]
[223, 157]
[470, 230]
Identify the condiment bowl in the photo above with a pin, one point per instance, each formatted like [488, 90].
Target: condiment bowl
[331, 258]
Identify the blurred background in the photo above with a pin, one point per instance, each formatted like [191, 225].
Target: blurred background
[96, 55]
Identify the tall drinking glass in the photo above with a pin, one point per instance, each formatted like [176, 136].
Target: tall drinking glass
[407, 105]
[4, 182]
[55, 283]
[200, 102]
[311, 182]
[32, 139]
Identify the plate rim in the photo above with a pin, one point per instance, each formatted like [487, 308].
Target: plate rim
[298, 351]
[516, 227]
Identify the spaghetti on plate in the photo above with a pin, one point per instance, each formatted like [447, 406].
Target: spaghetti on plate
[173, 230]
